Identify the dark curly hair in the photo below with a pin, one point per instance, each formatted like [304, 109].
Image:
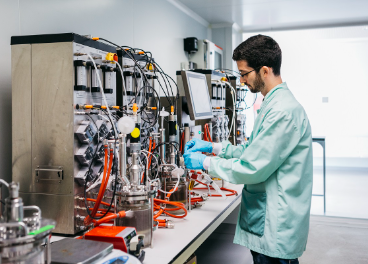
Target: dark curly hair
[260, 51]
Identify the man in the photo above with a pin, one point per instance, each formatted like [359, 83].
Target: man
[275, 165]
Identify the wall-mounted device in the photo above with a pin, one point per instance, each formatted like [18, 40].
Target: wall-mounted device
[191, 45]
[208, 56]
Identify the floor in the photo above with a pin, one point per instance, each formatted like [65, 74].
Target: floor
[220, 249]
[346, 192]
[340, 237]
[332, 240]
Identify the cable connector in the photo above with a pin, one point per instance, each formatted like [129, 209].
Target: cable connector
[169, 224]
[79, 54]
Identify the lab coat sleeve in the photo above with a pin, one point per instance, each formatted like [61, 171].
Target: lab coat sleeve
[229, 151]
[277, 138]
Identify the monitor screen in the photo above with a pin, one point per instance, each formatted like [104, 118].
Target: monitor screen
[196, 92]
[218, 60]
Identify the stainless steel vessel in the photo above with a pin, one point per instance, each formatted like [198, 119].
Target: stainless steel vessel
[23, 240]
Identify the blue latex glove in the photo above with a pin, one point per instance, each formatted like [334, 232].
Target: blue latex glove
[194, 160]
[198, 145]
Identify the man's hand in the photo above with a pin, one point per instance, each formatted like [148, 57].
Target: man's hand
[198, 145]
[194, 160]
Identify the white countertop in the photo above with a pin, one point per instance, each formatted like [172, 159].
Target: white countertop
[178, 244]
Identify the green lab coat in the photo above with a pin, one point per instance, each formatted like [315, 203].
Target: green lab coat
[276, 168]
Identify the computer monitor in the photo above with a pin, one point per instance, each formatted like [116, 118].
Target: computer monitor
[196, 92]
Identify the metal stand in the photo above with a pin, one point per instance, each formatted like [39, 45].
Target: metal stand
[322, 142]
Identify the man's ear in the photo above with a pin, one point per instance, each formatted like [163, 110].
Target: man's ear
[266, 71]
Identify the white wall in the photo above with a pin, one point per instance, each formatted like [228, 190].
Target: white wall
[228, 37]
[332, 63]
[157, 26]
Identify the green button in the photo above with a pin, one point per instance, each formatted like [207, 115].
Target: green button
[199, 132]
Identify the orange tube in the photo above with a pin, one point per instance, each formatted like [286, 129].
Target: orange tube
[110, 217]
[232, 192]
[208, 132]
[103, 186]
[158, 214]
[94, 200]
[101, 210]
[88, 219]
[179, 206]
[150, 157]
[181, 142]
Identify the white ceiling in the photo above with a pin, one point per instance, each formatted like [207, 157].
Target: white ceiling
[255, 15]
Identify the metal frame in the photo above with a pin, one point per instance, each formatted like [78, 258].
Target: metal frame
[322, 142]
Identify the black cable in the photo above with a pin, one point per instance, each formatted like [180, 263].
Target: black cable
[162, 73]
[137, 65]
[97, 147]
[168, 76]
[167, 143]
[167, 97]
[128, 53]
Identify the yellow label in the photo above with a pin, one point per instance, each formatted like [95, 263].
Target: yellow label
[176, 127]
[135, 133]
[191, 184]
[110, 56]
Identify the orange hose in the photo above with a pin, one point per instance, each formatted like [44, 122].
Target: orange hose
[102, 214]
[110, 217]
[104, 203]
[207, 134]
[177, 204]
[100, 209]
[149, 164]
[158, 214]
[88, 219]
[166, 210]
[181, 142]
[232, 192]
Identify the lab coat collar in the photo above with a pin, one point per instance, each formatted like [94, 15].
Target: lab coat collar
[277, 87]
[270, 94]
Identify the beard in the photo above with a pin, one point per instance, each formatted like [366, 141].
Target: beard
[258, 85]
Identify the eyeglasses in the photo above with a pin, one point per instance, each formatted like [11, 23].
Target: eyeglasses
[245, 74]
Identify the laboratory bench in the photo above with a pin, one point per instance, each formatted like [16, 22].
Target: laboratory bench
[178, 244]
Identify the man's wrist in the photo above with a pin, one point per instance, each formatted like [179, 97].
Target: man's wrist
[217, 147]
[206, 163]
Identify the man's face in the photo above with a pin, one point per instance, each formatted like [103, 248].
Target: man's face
[253, 79]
